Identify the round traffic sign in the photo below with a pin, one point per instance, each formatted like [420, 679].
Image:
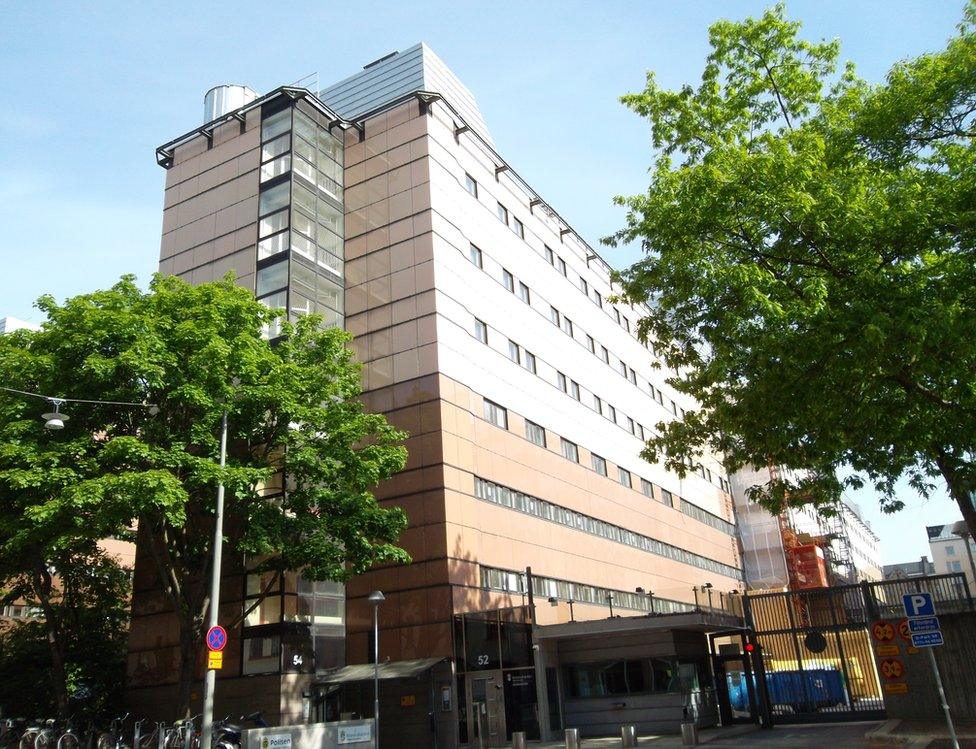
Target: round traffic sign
[891, 668]
[905, 631]
[216, 638]
[882, 631]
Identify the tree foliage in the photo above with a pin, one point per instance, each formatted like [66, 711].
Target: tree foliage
[86, 607]
[809, 263]
[193, 353]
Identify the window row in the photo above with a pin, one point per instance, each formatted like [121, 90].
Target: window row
[505, 216]
[526, 359]
[508, 581]
[564, 323]
[535, 433]
[540, 508]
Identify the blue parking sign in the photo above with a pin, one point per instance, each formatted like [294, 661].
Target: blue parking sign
[918, 604]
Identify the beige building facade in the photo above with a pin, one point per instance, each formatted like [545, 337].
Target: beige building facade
[487, 331]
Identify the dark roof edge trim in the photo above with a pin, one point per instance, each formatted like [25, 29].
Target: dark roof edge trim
[166, 152]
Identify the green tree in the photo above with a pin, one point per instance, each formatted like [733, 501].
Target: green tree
[72, 658]
[194, 353]
[809, 263]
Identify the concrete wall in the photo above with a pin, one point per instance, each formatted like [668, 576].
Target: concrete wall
[955, 660]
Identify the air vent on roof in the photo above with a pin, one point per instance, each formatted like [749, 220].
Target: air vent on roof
[384, 58]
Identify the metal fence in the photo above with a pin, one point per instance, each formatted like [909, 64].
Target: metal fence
[816, 648]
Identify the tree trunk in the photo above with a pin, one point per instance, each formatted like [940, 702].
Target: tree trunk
[959, 489]
[55, 638]
[189, 643]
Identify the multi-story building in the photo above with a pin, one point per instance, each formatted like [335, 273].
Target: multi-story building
[906, 570]
[950, 552]
[800, 547]
[488, 331]
[10, 324]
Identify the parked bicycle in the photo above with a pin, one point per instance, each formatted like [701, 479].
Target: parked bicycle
[114, 737]
[227, 735]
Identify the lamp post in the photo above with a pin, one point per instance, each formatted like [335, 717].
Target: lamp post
[206, 730]
[572, 618]
[376, 598]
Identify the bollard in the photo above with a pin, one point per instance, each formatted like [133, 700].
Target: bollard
[628, 736]
[518, 740]
[572, 738]
[689, 734]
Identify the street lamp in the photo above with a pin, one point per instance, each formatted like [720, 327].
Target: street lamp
[54, 420]
[376, 598]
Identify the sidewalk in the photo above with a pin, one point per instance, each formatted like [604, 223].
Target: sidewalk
[919, 734]
[664, 741]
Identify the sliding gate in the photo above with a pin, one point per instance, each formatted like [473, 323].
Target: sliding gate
[816, 650]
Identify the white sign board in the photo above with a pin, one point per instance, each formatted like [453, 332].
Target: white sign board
[354, 734]
[276, 741]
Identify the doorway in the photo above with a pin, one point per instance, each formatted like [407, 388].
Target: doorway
[736, 689]
[486, 709]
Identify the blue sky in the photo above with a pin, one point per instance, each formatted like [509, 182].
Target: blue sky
[90, 89]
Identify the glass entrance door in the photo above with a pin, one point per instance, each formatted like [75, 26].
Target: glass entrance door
[486, 706]
[736, 688]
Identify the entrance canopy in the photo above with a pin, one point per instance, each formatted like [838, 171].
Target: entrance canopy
[390, 670]
[705, 621]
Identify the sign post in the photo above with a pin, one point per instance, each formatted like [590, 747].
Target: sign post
[927, 633]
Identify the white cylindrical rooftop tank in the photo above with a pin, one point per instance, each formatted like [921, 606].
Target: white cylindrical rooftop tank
[223, 99]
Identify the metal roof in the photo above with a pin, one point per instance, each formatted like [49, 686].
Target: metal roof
[391, 670]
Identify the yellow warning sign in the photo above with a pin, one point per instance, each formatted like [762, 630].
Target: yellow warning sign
[885, 650]
[215, 659]
[896, 688]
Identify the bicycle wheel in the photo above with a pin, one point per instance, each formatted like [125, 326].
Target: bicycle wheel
[69, 740]
[27, 740]
[45, 739]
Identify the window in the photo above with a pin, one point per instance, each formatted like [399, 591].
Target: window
[597, 405]
[524, 294]
[574, 388]
[561, 265]
[612, 413]
[616, 315]
[591, 344]
[508, 280]
[640, 432]
[599, 464]
[271, 278]
[624, 476]
[518, 228]
[535, 433]
[568, 326]
[667, 498]
[950, 550]
[570, 450]
[480, 331]
[955, 566]
[674, 408]
[470, 185]
[550, 257]
[597, 298]
[631, 426]
[633, 377]
[474, 255]
[660, 397]
[274, 198]
[496, 414]
[584, 286]
[502, 212]
[554, 316]
[647, 488]
[627, 324]
[623, 369]
[604, 354]
[529, 361]
[561, 381]
[513, 352]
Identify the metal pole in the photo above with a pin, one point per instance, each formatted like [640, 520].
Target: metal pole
[206, 731]
[942, 699]
[972, 565]
[376, 676]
